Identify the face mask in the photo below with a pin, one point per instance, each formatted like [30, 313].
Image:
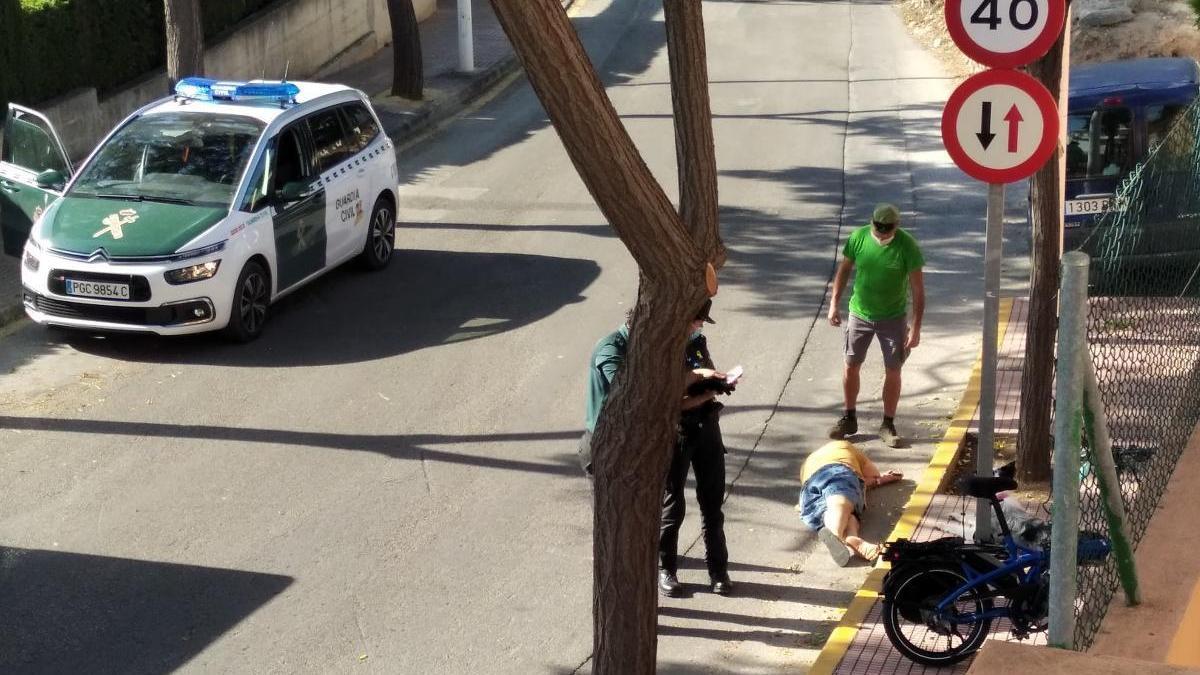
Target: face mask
[884, 242]
[695, 334]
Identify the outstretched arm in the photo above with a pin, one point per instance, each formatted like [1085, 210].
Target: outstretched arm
[890, 476]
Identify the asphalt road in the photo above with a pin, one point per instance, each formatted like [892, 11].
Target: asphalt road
[386, 482]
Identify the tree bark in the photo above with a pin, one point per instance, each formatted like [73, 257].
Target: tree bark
[1034, 446]
[631, 454]
[636, 430]
[408, 69]
[185, 40]
[695, 151]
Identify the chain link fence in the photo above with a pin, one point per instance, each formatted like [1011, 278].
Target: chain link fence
[1143, 332]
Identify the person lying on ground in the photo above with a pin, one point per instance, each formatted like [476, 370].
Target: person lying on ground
[835, 478]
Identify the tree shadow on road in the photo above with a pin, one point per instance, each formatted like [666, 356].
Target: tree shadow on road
[418, 447]
[77, 613]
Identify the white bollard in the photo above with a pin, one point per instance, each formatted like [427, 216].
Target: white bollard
[1068, 419]
[466, 44]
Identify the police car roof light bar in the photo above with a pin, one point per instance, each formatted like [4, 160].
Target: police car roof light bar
[205, 89]
[195, 88]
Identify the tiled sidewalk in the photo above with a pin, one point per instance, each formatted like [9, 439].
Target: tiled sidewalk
[866, 649]
[1010, 360]
[1134, 419]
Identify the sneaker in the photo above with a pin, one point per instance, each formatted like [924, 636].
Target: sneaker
[846, 426]
[668, 584]
[887, 434]
[837, 550]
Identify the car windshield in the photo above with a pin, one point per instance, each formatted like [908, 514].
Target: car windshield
[178, 157]
[1098, 143]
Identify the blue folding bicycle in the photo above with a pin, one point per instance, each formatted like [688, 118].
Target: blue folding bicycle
[941, 597]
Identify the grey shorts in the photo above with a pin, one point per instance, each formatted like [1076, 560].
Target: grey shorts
[892, 334]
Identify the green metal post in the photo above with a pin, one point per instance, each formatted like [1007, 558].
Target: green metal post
[1110, 488]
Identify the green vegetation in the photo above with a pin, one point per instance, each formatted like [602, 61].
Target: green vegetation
[50, 47]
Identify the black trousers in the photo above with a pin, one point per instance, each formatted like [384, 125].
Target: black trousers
[700, 447]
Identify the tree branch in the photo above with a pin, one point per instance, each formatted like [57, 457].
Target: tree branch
[694, 150]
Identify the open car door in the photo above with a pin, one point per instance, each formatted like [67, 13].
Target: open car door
[34, 168]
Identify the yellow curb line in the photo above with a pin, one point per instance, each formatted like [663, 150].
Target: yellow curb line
[840, 639]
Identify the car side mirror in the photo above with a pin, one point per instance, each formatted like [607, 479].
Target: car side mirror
[293, 192]
[51, 179]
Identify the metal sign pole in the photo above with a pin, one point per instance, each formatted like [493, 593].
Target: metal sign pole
[993, 253]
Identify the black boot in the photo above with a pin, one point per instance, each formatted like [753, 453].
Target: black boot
[721, 584]
[668, 584]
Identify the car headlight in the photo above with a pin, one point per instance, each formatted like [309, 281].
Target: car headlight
[30, 258]
[186, 275]
[200, 252]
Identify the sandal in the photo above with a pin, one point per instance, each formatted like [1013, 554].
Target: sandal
[870, 552]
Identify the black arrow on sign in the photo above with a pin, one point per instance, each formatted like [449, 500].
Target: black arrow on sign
[985, 134]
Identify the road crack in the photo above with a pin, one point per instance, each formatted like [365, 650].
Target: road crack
[425, 473]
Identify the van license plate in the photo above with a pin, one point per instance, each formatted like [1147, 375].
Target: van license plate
[1091, 206]
[95, 289]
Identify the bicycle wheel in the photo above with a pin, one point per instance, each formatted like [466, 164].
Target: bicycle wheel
[921, 635]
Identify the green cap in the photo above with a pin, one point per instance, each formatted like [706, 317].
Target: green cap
[886, 214]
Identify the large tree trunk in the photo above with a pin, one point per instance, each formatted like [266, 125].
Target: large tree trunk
[636, 430]
[185, 39]
[1034, 447]
[408, 70]
[633, 441]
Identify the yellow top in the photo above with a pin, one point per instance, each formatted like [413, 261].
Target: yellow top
[839, 452]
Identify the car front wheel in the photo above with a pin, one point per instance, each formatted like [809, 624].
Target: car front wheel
[251, 295]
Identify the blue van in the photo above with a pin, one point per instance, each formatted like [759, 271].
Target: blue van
[1115, 113]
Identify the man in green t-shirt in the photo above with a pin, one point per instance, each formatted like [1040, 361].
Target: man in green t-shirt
[887, 263]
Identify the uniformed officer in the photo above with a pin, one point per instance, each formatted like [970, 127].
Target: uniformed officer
[701, 447]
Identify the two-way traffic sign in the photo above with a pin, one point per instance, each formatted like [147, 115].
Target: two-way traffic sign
[1000, 126]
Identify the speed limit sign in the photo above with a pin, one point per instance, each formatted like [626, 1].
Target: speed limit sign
[1005, 33]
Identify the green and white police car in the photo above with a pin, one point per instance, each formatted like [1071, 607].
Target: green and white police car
[199, 210]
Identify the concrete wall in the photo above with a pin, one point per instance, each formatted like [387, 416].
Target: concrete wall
[311, 38]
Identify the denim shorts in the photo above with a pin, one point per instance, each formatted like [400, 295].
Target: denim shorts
[829, 480]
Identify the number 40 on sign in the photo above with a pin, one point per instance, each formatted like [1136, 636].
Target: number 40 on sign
[1005, 33]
